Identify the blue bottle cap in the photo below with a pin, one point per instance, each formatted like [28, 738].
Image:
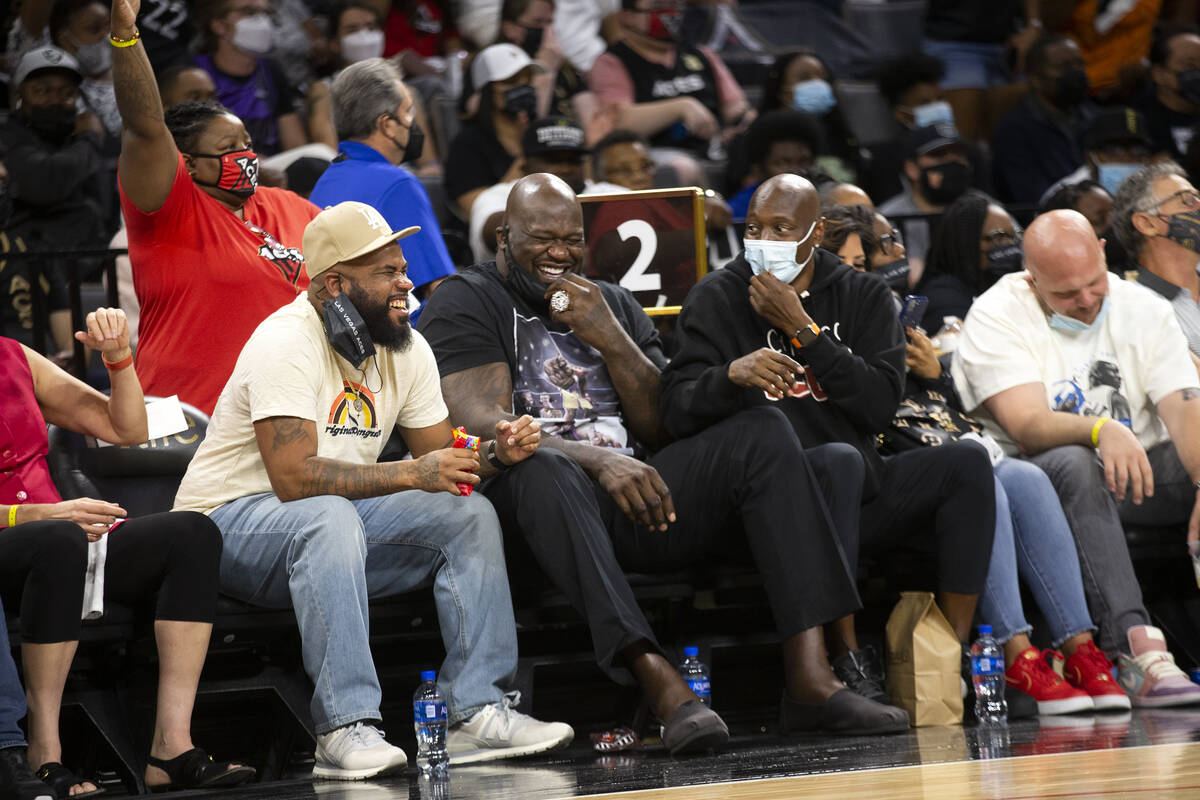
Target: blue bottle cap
[688, 652]
[985, 629]
[429, 675]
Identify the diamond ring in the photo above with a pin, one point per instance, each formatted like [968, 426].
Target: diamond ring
[560, 301]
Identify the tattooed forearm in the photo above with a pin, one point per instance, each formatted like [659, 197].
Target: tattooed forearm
[288, 430]
[352, 481]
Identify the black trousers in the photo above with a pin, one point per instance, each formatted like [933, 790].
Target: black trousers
[174, 555]
[940, 500]
[743, 484]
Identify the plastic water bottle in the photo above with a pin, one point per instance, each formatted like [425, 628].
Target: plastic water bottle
[429, 721]
[987, 673]
[946, 340]
[696, 675]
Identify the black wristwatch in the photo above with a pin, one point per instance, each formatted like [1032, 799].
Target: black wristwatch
[494, 459]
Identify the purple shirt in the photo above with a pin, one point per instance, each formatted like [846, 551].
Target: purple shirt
[258, 99]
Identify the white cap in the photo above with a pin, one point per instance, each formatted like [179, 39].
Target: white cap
[45, 58]
[499, 63]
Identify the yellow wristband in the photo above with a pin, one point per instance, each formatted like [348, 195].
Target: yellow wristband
[12, 516]
[1096, 430]
[115, 42]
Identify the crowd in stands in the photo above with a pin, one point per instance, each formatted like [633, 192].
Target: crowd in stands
[349, 218]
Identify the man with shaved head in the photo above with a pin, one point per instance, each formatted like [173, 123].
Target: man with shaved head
[1090, 378]
[609, 490]
[786, 326]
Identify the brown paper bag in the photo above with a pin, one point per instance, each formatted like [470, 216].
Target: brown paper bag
[924, 662]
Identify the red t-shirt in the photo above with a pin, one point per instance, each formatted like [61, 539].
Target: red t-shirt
[206, 279]
[24, 475]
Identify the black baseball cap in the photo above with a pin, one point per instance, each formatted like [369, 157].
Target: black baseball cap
[1117, 125]
[923, 141]
[553, 134]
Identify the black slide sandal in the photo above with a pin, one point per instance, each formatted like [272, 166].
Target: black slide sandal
[196, 769]
[61, 779]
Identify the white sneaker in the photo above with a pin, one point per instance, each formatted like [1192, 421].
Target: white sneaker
[497, 731]
[354, 752]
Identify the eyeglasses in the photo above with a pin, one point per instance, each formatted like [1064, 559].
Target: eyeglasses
[1190, 199]
[630, 169]
[1002, 238]
[889, 241]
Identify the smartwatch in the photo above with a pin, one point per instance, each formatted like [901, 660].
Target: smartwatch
[806, 335]
[494, 459]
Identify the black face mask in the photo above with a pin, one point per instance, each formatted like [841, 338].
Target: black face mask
[1070, 89]
[416, 143]
[1000, 262]
[520, 98]
[894, 274]
[533, 40]
[52, 123]
[523, 284]
[346, 330]
[1189, 85]
[956, 179]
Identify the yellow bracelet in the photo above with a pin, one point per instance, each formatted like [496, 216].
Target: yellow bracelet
[1096, 430]
[12, 516]
[115, 42]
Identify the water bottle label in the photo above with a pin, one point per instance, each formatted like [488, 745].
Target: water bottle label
[427, 711]
[984, 665]
[700, 687]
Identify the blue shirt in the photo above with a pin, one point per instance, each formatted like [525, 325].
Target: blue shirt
[366, 176]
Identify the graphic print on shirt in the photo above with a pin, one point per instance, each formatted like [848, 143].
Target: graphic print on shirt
[564, 384]
[353, 413]
[1094, 389]
[289, 260]
[806, 383]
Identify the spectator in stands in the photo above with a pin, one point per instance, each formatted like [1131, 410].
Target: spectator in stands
[623, 157]
[850, 234]
[1114, 40]
[184, 83]
[323, 534]
[890, 262]
[682, 97]
[801, 80]
[976, 243]
[418, 33]
[17, 780]
[531, 325]
[485, 150]
[583, 28]
[56, 184]
[910, 86]
[845, 334]
[1063, 364]
[378, 133]
[778, 142]
[236, 37]
[188, 193]
[44, 555]
[167, 28]
[833, 194]
[1041, 139]
[936, 172]
[1155, 216]
[1116, 144]
[529, 24]
[299, 44]
[1172, 101]
[1095, 203]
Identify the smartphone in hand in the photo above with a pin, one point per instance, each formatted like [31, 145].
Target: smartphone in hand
[913, 310]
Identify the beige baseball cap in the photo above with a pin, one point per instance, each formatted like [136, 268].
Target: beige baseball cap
[345, 232]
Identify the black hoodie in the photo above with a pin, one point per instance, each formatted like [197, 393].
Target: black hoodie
[854, 370]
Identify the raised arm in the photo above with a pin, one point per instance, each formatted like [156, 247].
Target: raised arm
[148, 156]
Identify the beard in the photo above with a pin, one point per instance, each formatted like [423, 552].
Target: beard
[391, 336]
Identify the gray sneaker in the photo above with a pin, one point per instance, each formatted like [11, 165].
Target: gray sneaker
[498, 731]
[354, 752]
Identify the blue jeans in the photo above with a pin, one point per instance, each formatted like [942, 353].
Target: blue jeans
[326, 556]
[12, 696]
[1032, 537]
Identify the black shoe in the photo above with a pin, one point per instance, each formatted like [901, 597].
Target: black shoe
[694, 728]
[856, 670]
[1020, 705]
[846, 713]
[16, 778]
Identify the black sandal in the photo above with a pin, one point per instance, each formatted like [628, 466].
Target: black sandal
[196, 769]
[61, 779]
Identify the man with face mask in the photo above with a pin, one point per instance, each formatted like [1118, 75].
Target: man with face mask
[1172, 101]
[844, 357]
[1116, 144]
[601, 494]
[1041, 140]
[377, 134]
[1090, 378]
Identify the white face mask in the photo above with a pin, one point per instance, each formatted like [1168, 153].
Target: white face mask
[254, 35]
[361, 45]
[778, 258]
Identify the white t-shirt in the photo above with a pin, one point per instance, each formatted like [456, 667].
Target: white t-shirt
[288, 369]
[1120, 368]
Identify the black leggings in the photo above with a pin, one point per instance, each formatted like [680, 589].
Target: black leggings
[42, 565]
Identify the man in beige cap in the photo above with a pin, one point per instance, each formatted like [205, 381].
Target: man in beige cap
[310, 521]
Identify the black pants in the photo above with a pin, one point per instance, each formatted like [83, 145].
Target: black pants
[175, 555]
[745, 483]
[940, 500]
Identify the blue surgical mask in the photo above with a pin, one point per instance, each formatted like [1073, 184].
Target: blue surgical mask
[813, 96]
[1111, 176]
[1062, 322]
[933, 114]
[777, 258]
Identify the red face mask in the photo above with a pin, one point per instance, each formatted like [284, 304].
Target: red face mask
[239, 172]
[663, 25]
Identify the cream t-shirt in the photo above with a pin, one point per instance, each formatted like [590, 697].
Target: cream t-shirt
[1120, 368]
[288, 369]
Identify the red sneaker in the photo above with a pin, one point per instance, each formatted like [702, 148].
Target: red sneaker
[1033, 676]
[1090, 670]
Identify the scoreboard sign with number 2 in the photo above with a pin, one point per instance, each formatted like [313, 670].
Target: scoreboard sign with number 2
[652, 243]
